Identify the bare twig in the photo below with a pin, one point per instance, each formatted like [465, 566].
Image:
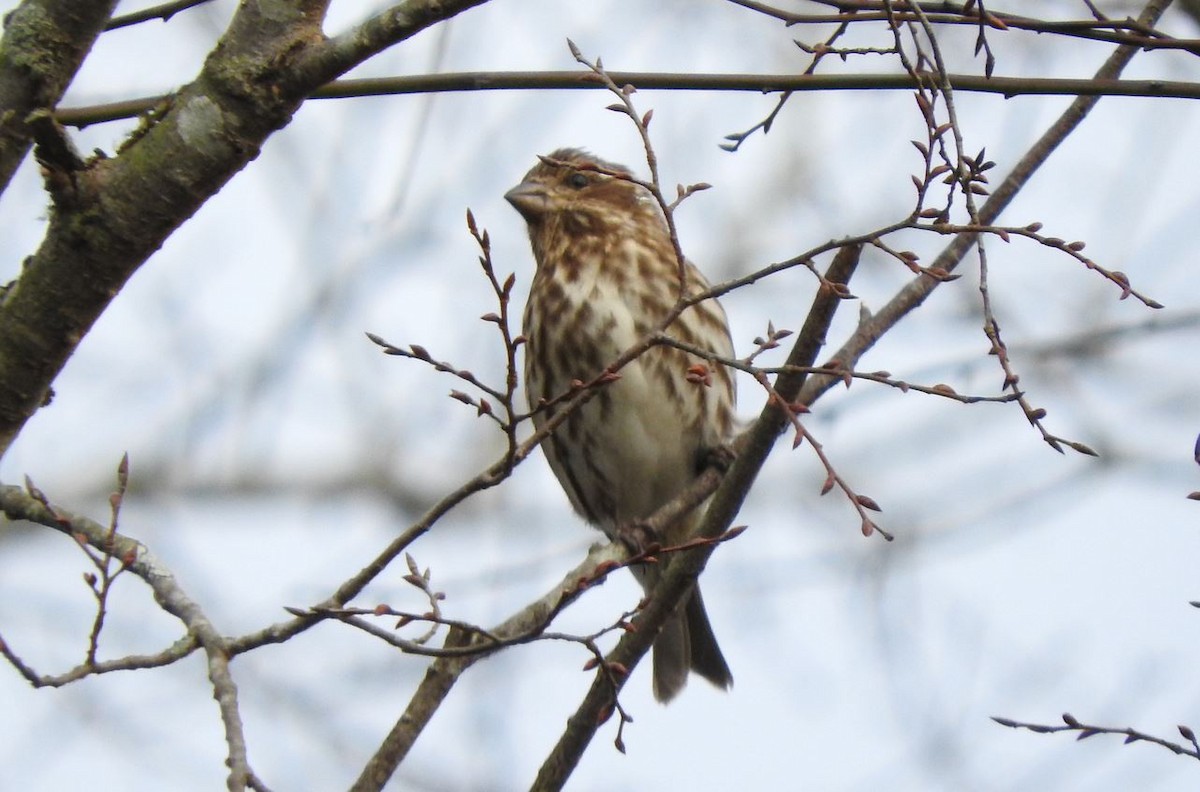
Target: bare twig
[487, 641]
[642, 123]
[1083, 731]
[818, 51]
[137, 558]
[164, 12]
[911, 296]
[104, 563]
[509, 418]
[1117, 31]
[444, 672]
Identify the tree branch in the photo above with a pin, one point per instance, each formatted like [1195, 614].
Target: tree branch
[163, 12]
[44, 44]
[109, 217]
[18, 504]
[444, 672]
[452, 82]
[943, 12]
[872, 328]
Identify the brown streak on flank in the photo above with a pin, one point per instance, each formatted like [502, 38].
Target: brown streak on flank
[564, 457]
[584, 315]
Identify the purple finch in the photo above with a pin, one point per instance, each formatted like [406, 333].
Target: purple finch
[607, 275]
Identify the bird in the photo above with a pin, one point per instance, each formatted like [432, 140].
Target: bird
[606, 275]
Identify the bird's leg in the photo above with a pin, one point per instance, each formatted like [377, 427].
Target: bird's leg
[720, 457]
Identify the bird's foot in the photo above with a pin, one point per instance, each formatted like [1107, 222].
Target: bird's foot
[720, 457]
[639, 536]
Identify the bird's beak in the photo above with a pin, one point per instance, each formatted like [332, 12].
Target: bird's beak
[530, 199]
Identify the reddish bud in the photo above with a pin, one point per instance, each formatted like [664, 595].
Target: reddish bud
[618, 669]
[699, 374]
[868, 503]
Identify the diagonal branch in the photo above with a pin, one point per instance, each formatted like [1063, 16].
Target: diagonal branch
[444, 672]
[45, 42]
[110, 215]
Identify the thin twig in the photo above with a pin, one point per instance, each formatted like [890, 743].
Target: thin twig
[137, 558]
[164, 12]
[873, 327]
[1083, 731]
[451, 82]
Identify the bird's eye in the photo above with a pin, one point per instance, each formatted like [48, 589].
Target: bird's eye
[578, 180]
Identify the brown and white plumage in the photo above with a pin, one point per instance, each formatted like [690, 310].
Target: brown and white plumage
[606, 275]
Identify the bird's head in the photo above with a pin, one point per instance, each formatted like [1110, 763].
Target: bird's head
[572, 192]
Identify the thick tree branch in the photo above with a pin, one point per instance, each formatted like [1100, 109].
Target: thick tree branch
[45, 42]
[389, 27]
[110, 216]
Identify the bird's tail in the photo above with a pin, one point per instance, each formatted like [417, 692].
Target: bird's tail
[686, 643]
